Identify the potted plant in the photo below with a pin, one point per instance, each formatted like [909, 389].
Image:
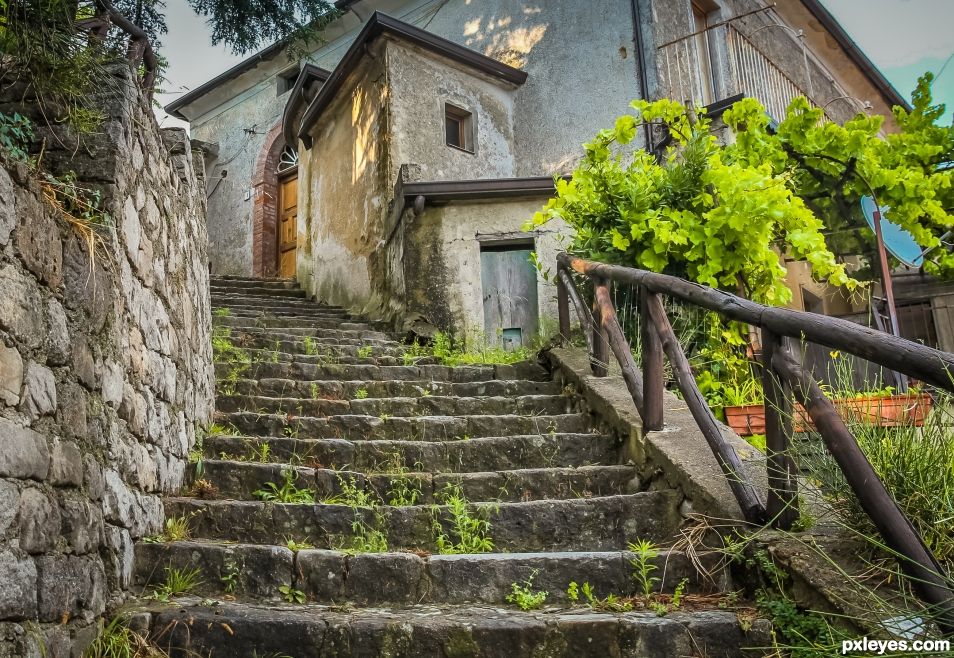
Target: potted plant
[744, 406]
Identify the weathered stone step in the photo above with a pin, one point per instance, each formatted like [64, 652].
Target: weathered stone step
[254, 313]
[430, 405]
[254, 282]
[324, 346]
[586, 524]
[421, 428]
[239, 480]
[262, 292]
[251, 631]
[242, 297]
[419, 373]
[484, 454]
[328, 355]
[346, 390]
[248, 327]
[253, 571]
[301, 322]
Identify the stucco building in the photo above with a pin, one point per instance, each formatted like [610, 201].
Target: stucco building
[390, 169]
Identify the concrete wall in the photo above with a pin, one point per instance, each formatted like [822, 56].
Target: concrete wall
[420, 85]
[105, 371]
[442, 261]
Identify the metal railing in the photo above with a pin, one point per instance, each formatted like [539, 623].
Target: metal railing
[783, 378]
[692, 65]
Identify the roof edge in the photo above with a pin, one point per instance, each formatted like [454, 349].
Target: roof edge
[381, 23]
[308, 73]
[856, 54]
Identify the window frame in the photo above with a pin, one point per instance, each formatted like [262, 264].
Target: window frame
[466, 127]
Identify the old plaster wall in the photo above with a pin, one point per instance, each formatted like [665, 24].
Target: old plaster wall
[344, 181]
[573, 55]
[240, 133]
[420, 86]
[105, 371]
[441, 265]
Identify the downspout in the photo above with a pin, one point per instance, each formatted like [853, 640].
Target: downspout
[641, 66]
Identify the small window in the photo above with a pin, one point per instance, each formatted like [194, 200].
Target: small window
[287, 79]
[459, 128]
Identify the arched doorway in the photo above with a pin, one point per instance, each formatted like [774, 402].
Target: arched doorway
[274, 216]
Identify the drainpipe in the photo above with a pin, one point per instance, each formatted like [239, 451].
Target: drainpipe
[641, 65]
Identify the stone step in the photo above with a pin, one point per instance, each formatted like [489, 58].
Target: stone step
[430, 405]
[236, 480]
[483, 454]
[280, 300]
[290, 322]
[239, 326]
[329, 355]
[427, 373]
[253, 571]
[420, 428]
[587, 524]
[324, 346]
[258, 292]
[255, 314]
[251, 631]
[347, 390]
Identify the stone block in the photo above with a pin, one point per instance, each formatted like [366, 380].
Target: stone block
[69, 586]
[8, 207]
[9, 503]
[72, 409]
[18, 599]
[23, 452]
[384, 577]
[66, 464]
[11, 375]
[83, 364]
[18, 306]
[39, 521]
[82, 525]
[112, 384]
[41, 250]
[322, 574]
[39, 391]
[121, 556]
[58, 334]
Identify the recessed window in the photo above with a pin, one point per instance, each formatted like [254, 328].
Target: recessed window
[287, 79]
[459, 128]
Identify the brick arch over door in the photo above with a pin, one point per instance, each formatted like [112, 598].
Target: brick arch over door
[265, 211]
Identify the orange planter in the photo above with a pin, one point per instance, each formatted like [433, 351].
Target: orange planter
[884, 411]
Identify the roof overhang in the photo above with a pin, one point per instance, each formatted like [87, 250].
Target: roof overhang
[306, 88]
[830, 23]
[380, 24]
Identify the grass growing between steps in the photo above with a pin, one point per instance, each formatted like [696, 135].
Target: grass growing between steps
[451, 351]
[117, 640]
[469, 531]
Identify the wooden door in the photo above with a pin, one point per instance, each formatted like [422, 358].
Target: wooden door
[287, 227]
[509, 283]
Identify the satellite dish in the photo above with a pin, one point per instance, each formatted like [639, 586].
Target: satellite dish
[897, 240]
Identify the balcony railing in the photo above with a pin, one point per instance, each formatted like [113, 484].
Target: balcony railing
[690, 69]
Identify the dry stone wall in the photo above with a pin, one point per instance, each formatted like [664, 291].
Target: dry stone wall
[105, 370]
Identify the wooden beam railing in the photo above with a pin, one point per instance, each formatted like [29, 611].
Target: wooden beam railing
[782, 378]
[138, 50]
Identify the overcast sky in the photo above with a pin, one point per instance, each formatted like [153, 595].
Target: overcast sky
[903, 38]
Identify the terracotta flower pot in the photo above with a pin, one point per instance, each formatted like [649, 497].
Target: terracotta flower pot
[883, 411]
[746, 420]
[908, 409]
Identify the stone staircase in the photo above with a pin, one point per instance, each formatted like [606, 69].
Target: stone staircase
[404, 457]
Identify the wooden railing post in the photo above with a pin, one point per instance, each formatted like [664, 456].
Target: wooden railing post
[748, 498]
[601, 349]
[563, 310]
[782, 502]
[915, 558]
[653, 372]
[582, 315]
[620, 346]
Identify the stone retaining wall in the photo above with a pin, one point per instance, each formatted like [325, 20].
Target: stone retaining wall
[105, 369]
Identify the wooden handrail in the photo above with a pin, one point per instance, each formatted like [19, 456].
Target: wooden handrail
[782, 377]
[139, 50]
